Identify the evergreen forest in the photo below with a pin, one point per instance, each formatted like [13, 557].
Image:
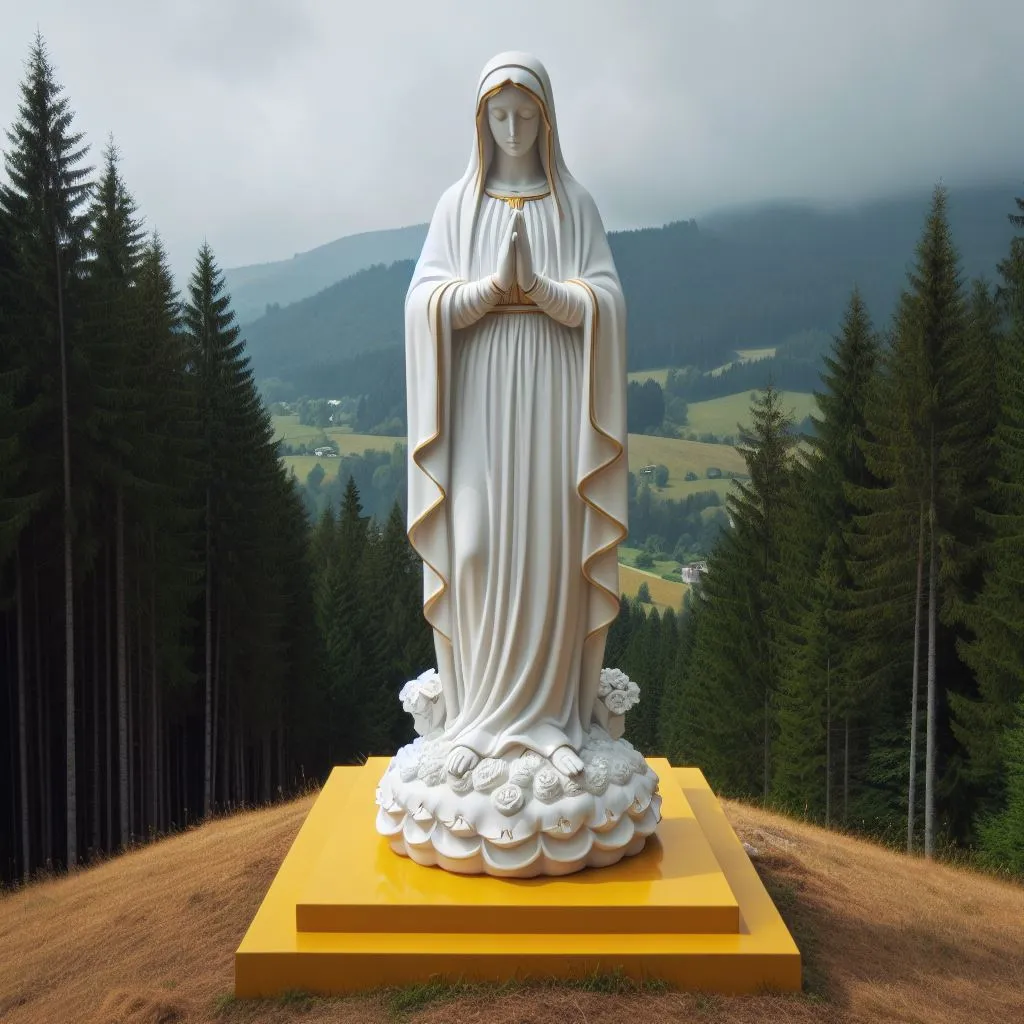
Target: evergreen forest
[184, 632]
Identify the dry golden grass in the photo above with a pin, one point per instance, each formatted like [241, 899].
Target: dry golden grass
[149, 938]
[664, 593]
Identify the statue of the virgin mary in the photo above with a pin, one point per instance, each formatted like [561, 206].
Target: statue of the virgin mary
[516, 383]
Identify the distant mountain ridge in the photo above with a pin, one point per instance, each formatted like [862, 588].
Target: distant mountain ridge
[282, 282]
[695, 293]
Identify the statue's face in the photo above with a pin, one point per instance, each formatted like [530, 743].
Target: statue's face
[514, 118]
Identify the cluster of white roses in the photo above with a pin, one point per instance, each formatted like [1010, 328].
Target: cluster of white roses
[423, 698]
[617, 691]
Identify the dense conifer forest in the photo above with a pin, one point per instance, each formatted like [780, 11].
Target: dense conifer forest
[175, 641]
[183, 631]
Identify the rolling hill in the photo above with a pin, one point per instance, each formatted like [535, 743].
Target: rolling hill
[149, 938]
[745, 280]
[280, 283]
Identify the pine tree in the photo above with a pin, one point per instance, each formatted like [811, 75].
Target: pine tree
[996, 619]
[819, 650]
[42, 204]
[227, 408]
[929, 419]
[807, 700]
[112, 323]
[726, 700]
[1002, 833]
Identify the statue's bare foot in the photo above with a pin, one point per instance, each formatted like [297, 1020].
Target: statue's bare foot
[567, 761]
[461, 760]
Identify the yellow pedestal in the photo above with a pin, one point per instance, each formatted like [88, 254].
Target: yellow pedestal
[345, 913]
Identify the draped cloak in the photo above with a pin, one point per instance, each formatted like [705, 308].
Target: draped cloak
[516, 701]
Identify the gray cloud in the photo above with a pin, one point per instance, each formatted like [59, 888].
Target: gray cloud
[271, 126]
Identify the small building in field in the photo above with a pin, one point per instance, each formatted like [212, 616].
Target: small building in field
[692, 573]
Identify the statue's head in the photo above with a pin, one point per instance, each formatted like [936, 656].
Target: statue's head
[515, 112]
[514, 119]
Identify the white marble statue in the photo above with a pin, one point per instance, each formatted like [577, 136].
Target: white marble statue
[516, 382]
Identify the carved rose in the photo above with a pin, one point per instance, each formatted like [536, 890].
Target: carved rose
[572, 788]
[408, 770]
[596, 777]
[620, 771]
[460, 784]
[423, 698]
[488, 774]
[612, 679]
[508, 798]
[521, 772]
[533, 759]
[618, 702]
[547, 785]
[432, 771]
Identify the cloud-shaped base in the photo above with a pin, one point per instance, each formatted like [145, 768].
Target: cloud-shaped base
[518, 816]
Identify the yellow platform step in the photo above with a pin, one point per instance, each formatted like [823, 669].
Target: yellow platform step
[345, 913]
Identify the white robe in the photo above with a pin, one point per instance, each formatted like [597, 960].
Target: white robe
[517, 477]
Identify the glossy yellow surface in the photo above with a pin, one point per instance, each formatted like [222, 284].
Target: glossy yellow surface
[690, 909]
[674, 886]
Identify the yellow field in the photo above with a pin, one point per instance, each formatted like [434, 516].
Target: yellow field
[664, 593]
[720, 415]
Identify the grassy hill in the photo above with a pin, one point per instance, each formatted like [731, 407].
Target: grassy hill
[659, 375]
[719, 416]
[741, 355]
[682, 457]
[149, 938]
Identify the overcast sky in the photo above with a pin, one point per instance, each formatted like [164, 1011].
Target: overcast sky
[269, 127]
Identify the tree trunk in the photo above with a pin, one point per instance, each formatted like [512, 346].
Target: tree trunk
[224, 728]
[846, 769]
[43, 713]
[71, 777]
[141, 730]
[26, 839]
[265, 775]
[914, 687]
[929, 757]
[154, 723]
[281, 777]
[828, 742]
[110, 700]
[132, 717]
[766, 765]
[96, 805]
[208, 716]
[123, 753]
